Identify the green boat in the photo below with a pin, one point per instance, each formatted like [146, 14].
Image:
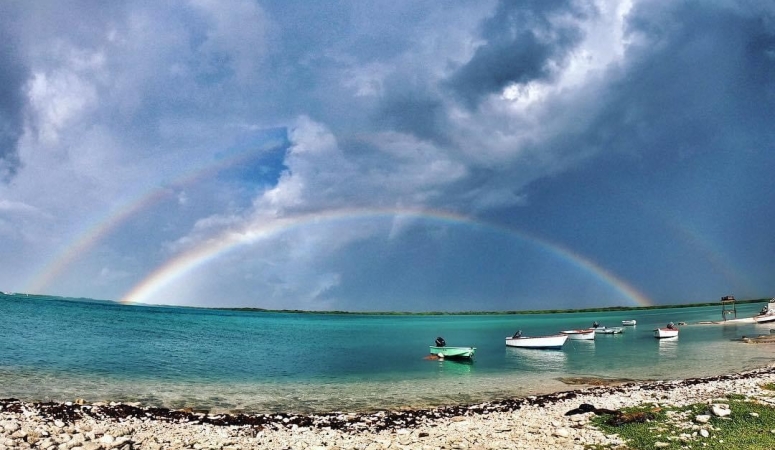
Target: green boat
[453, 352]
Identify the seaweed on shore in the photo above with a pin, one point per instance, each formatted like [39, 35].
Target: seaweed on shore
[350, 422]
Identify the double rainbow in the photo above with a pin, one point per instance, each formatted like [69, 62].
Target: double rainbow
[184, 263]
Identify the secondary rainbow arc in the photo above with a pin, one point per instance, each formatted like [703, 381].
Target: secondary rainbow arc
[99, 228]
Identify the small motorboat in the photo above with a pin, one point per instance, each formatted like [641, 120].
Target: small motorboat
[554, 341]
[767, 314]
[629, 323]
[442, 351]
[580, 335]
[606, 330]
[667, 332]
[609, 330]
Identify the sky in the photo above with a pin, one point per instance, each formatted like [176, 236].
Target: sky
[388, 155]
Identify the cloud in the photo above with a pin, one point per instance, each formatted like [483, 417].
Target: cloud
[159, 127]
[521, 43]
[13, 76]
[695, 80]
[236, 38]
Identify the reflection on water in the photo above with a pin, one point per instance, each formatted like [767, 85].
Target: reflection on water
[734, 331]
[455, 367]
[553, 360]
[765, 328]
[668, 347]
[581, 346]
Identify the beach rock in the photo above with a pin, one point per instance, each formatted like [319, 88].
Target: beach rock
[583, 408]
[721, 410]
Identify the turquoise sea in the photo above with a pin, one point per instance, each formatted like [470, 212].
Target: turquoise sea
[52, 349]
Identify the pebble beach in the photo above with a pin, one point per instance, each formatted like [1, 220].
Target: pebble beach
[535, 422]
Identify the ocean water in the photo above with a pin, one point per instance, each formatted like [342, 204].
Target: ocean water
[53, 349]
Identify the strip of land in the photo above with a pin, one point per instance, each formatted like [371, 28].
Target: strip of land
[559, 420]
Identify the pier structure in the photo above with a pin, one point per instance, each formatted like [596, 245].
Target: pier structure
[728, 307]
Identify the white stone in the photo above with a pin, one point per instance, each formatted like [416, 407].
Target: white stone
[704, 433]
[702, 418]
[721, 410]
[562, 432]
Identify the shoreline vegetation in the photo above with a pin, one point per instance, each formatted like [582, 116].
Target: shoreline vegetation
[491, 313]
[400, 313]
[727, 411]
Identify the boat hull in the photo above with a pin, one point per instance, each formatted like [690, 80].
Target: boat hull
[538, 342]
[453, 352]
[629, 323]
[579, 335]
[764, 318]
[661, 333]
[609, 330]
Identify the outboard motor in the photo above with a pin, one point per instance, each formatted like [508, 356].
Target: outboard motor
[440, 342]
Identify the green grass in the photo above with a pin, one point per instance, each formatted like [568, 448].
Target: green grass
[748, 427]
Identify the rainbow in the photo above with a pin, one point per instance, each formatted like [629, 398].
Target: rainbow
[104, 225]
[713, 255]
[181, 265]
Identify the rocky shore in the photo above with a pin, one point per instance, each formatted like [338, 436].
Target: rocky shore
[537, 422]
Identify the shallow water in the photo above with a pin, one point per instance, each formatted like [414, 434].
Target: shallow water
[55, 349]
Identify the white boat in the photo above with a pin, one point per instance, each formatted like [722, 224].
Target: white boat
[767, 314]
[669, 331]
[606, 330]
[553, 341]
[583, 335]
[629, 323]
[609, 330]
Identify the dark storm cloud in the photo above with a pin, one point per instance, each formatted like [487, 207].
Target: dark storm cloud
[417, 113]
[523, 44]
[698, 79]
[13, 75]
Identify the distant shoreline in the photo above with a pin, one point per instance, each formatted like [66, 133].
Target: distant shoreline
[395, 313]
[488, 313]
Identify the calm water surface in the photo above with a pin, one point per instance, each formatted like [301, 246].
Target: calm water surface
[55, 349]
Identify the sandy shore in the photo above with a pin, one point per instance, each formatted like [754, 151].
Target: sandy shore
[537, 422]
